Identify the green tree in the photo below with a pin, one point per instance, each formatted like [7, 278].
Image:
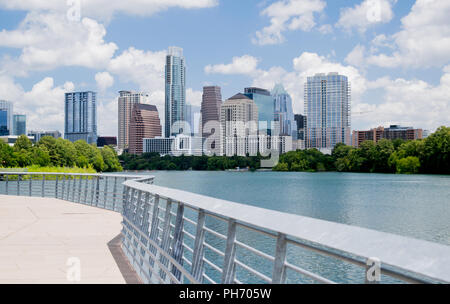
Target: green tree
[110, 158]
[408, 165]
[23, 143]
[435, 157]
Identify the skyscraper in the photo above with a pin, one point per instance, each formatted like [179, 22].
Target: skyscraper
[6, 117]
[211, 102]
[81, 117]
[327, 107]
[283, 112]
[239, 118]
[127, 100]
[193, 118]
[265, 103]
[19, 124]
[145, 123]
[175, 91]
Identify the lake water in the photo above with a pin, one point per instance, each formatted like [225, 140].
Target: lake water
[411, 205]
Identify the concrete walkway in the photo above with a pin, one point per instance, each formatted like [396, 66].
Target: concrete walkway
[43, 239]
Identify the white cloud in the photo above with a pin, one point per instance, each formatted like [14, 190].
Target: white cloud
[194, 97]
[423, 41]
[356, 57]
[106, 9]
[245, 65]
[43, 100]
[104, 80]
[49, 40]
[411, 103]
[288, 15]
[366, 14]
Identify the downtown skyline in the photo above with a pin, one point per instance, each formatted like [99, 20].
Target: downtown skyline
[391, 83]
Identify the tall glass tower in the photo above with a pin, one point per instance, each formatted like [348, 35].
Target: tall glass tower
[264, 102]
[19, 124]
[327, 107]
[283, 112]
[81, 117]
[6, 117]
[175, 104]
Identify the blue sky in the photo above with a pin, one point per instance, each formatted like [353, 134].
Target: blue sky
[396, 53]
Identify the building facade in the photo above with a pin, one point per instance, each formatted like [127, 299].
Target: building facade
[328, 108]
[106, 141]
[193, 118]
[126, 101]
[175, 91]
[283, 112]
[210, 116]
[19, 124]
[81, 117]
[391, 133]
[161, 145]
[239, 123]
[37, 135]
[265, 104]
[6, 117]
[145, 123]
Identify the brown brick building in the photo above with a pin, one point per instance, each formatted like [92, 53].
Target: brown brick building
[393, 132]
[144, 123]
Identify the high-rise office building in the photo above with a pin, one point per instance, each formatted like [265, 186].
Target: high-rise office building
[81, 117]
[265, 103]
[193, 118]
[283, 112]
[6, 117]
[301, 126]
[126, 101]
[145, 123]
[175, 91]
[210, 113]
[19, 124]
[239, 121]
[327, 106]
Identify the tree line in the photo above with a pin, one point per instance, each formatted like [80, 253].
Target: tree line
[428, 156]
[58, 153]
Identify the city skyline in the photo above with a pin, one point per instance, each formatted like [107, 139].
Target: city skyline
[392, 80]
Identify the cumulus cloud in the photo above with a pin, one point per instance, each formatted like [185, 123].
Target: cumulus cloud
[288, 15]
[104, 80]
[45, 99]
[245, 65]
[49, 40]
[410, 102]
[105, 9]
[422, 42]
[366, 14]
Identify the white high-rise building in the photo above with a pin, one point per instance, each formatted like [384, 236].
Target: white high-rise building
[328, 110]
[239, 123]
[127, 100]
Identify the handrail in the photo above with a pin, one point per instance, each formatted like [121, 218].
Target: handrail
[174, 236]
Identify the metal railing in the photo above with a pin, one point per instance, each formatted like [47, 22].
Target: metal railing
[173, 236]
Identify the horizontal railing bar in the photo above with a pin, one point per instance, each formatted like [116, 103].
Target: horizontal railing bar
[309, 274]
[219, 235]
[209, 279]
[217, 268]
[213, 249]
[255, 251]
[255, 272]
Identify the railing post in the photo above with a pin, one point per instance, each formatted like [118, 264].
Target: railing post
[197, 258]
[43, 185]
[86, 184]
[18, 184]
[63, 187]
[165, 237]
[30, 186]
[229, 266]
[79, 188]
[56, 185]
[177, 242]
[115, 193]
[105, 197]
[279, 270]
[6, 184]
[97, 190]
[92, 193]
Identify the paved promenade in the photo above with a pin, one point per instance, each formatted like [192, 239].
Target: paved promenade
[38, 236]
